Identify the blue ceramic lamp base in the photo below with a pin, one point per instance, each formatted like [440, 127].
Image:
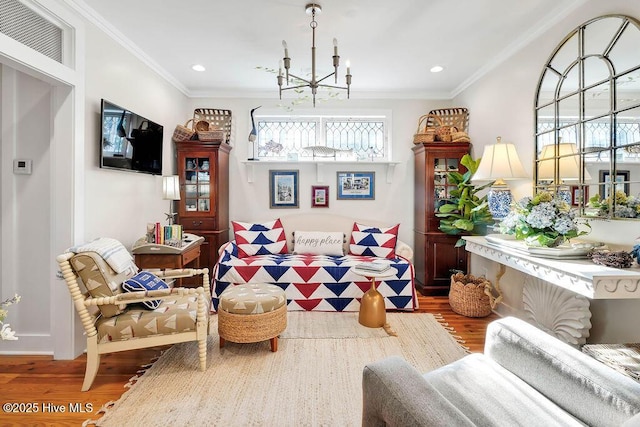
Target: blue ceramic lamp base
[499, 199]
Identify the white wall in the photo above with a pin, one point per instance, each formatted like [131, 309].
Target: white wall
[116, 204]
[25, 204]
[502, 104]
[120, 203]
[393, 201]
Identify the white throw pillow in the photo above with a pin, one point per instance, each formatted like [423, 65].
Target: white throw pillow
[318, 242]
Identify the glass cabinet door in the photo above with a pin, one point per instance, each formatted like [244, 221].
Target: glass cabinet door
[442, 185]
[197, 188]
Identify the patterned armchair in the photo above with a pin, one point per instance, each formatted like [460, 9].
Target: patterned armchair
[115, 320]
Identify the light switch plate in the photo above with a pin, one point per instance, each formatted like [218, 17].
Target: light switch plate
[22, 166]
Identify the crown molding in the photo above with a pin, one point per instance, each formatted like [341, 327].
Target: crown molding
[273, 94]
[553, 17]
[96, 19]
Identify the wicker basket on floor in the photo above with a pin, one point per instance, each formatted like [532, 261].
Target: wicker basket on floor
[472, 296]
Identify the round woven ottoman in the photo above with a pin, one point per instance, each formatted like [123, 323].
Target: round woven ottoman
[252, 313]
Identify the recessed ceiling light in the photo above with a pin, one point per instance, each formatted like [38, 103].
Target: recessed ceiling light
[198, 67]
[436, 69]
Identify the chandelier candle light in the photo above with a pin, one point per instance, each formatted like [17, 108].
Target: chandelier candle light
[313, 83]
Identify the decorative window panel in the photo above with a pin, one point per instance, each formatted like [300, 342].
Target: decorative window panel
[327, 137]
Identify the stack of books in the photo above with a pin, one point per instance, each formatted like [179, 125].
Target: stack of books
[373, 267]
[170, 235]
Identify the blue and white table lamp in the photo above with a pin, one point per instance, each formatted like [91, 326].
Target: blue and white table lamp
[565, 157]
[499, 163]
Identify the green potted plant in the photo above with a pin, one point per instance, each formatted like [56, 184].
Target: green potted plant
[464, 212]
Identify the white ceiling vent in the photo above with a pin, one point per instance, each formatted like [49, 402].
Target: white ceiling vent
[27, 27]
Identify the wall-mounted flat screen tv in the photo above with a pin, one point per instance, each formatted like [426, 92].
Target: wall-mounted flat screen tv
[129, 141]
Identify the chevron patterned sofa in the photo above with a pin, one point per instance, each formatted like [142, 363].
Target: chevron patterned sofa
[314, 280]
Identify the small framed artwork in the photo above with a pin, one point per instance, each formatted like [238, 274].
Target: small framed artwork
[579, 195]
[621, 182]
[283, 189]
[356, 185]
[319, 196]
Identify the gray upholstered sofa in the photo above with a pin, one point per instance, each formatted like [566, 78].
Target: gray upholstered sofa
[524, 378]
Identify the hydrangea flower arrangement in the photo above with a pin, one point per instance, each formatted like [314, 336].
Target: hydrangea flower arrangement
[542, 220]
[5, 331]
[625, 206]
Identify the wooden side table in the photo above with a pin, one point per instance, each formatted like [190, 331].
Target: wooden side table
[149, 256]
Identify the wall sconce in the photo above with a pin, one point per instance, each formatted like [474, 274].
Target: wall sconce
[499, 162]
[170, 191]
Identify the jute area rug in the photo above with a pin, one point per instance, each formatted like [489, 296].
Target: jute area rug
[314, 379]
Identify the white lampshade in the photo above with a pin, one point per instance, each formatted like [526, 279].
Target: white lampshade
[499, 162]
[171, 187]
[568, 163]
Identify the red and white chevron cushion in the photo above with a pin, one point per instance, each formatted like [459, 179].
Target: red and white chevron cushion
[374, 241]
[259, 239]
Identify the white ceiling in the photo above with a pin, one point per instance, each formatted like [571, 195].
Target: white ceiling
[391, 45]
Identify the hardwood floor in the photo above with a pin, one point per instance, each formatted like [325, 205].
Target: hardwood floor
[45, 392]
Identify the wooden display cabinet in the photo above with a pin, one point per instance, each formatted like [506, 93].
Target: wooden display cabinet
[203, 208]
[435, 252]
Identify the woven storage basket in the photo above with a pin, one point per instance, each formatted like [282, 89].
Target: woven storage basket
[460, 137]
[247, 328]
[472, 296]
[445, 133]
[456, 117]
[211, 135]
[219, 121]
[201, 126]
[183, 133]
[426, 133]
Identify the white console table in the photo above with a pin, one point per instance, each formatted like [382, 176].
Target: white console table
[545, 298]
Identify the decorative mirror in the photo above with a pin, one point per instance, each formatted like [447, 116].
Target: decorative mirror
[587, 118]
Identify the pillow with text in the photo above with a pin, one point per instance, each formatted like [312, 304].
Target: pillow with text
[318, 242]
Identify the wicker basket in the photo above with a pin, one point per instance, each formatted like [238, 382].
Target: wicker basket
[211, 135]
[201, 126]
[456, 117]
[183, 133]
[472, 296]
[219, 123]
[426, 133]
[460, 137]
[445, 133]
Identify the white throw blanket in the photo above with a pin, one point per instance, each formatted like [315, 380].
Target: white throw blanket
[113, 252]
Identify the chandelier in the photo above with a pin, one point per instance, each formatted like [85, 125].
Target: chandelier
[314, 83]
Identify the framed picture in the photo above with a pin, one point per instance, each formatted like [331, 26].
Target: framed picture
[356, 185]
[579, 195]
[621, 182]
[319, 196]
[283, 189]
